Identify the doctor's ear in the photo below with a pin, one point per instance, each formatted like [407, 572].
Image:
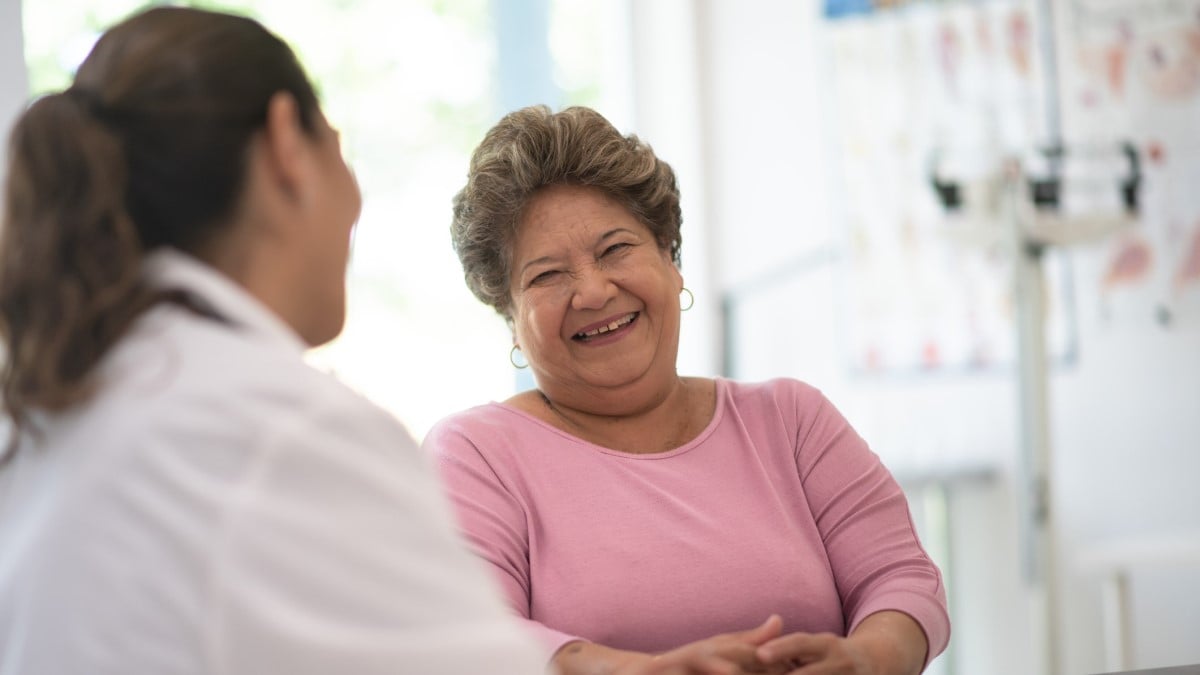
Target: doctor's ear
[285, 143]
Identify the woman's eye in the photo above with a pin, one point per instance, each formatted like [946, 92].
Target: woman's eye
[543, 277]
[616, 247]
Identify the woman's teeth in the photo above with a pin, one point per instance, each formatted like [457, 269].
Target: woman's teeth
[612, 326]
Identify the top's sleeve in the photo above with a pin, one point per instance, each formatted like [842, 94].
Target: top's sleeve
[494, 521]
[862, 514]
[339, 554]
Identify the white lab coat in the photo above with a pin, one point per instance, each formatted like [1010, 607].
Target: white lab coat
[221, 507]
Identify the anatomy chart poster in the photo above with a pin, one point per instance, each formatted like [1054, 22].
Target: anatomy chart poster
[957, 85]
[1131, 71]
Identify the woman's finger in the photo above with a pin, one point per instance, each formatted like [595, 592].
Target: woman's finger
[767, 630]
[796, 647]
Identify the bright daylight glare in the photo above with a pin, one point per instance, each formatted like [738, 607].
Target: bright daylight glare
[411, 86]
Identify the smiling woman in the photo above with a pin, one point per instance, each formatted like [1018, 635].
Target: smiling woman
[628, 511]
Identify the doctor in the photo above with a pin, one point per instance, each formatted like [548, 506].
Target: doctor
[184, 494]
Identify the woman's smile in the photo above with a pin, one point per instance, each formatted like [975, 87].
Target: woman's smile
[609, 330]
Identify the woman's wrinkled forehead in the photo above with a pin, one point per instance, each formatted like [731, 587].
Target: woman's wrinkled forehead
[568, 214]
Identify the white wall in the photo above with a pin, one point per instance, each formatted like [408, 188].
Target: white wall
[14, 87]
[668, 82]
[1125, 417]
[14, 90]
[1127, 442]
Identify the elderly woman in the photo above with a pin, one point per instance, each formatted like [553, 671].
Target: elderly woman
[627, 510]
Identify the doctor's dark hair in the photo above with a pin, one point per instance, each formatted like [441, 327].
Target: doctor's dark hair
[146, 149]
[532, 148]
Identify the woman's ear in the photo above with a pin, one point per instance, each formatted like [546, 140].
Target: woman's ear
[284, 145]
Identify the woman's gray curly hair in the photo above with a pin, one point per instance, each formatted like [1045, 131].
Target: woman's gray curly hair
[533, 147]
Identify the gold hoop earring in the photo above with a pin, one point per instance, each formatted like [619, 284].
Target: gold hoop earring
[691, 300]
[512, 353]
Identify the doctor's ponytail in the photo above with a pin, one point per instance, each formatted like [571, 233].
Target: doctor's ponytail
[147, 149]
[69, 254]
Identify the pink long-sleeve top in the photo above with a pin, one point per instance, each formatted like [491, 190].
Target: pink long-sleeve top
[778, 506]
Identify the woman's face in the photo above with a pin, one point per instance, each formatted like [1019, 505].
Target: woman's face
[335, 209]
[595, 300]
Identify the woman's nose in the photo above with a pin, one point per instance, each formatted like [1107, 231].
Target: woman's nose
[593, 289]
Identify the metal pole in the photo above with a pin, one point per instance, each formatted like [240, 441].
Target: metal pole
[1115, 604]
[1034, 474]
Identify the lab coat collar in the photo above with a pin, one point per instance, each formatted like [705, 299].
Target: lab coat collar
[172, 269]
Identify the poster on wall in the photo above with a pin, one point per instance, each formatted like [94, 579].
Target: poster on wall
[1131, 70]
[952, 87]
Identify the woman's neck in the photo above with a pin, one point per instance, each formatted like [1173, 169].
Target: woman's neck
[662, 425]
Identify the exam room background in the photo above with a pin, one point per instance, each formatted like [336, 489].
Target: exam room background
[736, 96]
